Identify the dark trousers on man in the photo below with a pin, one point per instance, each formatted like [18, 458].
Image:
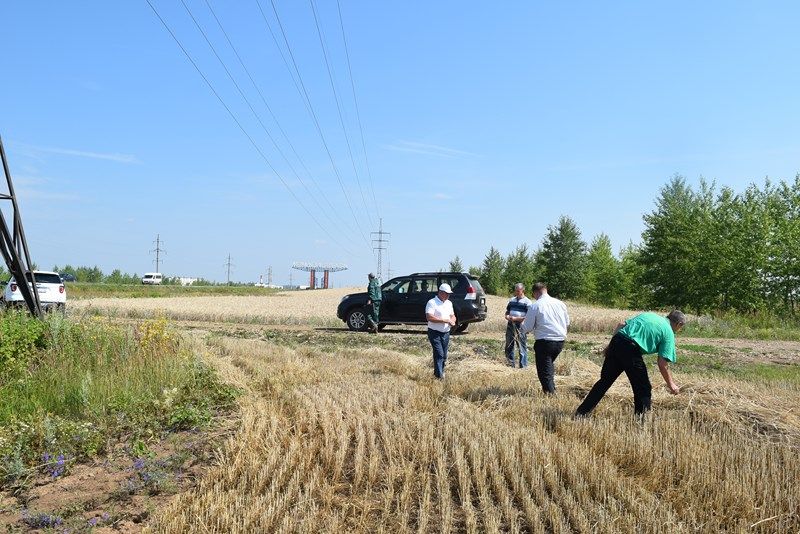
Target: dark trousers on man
[439, 343]
[623, 355]
[546, 352]
[374, 313]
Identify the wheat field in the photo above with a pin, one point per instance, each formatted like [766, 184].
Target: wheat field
[341, 432]
[314, 308]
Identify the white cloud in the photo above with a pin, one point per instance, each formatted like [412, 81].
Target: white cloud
[119, 158]
[442, 196]
[427, 149]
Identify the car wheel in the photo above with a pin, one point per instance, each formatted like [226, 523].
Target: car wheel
[461, 328]
[357, 320]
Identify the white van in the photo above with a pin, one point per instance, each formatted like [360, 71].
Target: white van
[151, 278]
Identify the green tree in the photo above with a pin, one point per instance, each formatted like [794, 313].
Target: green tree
[782, 280]
[604, 280]
[492, 272]
[671, 246]
[519, 267]
[561, 261]
[636, 292]
[455, 265]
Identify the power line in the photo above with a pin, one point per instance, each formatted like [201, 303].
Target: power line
[239, 124]
[247, 101]
[339, 108]
[358, 112]
[277, 123]
[310, 108]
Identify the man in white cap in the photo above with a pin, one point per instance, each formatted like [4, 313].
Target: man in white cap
[440, 315]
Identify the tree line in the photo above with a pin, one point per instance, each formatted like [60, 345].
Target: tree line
[94, 275]
[703, 249]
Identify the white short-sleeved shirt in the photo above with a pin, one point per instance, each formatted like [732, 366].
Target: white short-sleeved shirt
[548, 318]
[440, 310]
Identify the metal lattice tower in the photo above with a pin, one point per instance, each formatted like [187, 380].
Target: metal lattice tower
[158, 250]
[378, 244]
[229, 265]
[312, 268]
[14, 247]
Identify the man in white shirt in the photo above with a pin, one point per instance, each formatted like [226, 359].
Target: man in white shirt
[440, 315]
[548, 319]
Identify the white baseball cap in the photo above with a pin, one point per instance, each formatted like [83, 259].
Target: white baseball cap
[446, 288]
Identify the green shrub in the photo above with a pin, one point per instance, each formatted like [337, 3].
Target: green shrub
[20, 336]
[91, 382]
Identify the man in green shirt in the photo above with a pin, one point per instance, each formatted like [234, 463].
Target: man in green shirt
[374, 297]
[647, 333]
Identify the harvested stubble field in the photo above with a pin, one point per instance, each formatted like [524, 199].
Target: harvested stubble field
[346, 432]
[313, 308]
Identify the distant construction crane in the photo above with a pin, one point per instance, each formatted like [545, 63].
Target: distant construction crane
[312, 268]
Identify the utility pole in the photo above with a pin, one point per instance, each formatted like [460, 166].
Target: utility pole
[228, 264]
[378, 244]
[290, 279]
[158, 250]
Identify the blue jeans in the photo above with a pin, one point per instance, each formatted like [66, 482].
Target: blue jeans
[516, 336]
[439, 342]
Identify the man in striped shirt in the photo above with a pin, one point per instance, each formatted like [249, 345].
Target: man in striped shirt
[515, 313]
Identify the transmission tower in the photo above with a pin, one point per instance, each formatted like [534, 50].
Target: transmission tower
[378, 244]
[228, 266]
[14, 247]
[269, 276]
[158, 250]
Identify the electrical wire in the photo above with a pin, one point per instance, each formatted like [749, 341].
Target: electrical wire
[241, 127]
[358, 112]
[339, 109]
[247, 101]
[310, 108]
[274, 118]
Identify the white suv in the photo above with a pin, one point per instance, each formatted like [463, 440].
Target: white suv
[52, 293]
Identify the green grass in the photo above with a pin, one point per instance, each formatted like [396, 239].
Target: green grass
[753, 326]
[706, 349]
[86, 384]
[77, 290]
[713, 365]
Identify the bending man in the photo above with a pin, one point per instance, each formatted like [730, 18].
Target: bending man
[647, 333]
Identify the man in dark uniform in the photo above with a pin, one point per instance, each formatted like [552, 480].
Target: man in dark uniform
[374, 297]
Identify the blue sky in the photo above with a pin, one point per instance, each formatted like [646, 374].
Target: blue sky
[483, 123]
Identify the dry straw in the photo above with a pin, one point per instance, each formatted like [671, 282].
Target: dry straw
[364, 440]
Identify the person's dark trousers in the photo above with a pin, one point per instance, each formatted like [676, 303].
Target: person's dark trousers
[546, 352]
[623, 355]
[375, 312]
[515, 336]
[439, 342]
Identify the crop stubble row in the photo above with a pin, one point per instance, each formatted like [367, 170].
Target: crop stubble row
[364, 440]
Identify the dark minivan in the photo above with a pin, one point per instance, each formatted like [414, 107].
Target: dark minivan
[405, 297]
